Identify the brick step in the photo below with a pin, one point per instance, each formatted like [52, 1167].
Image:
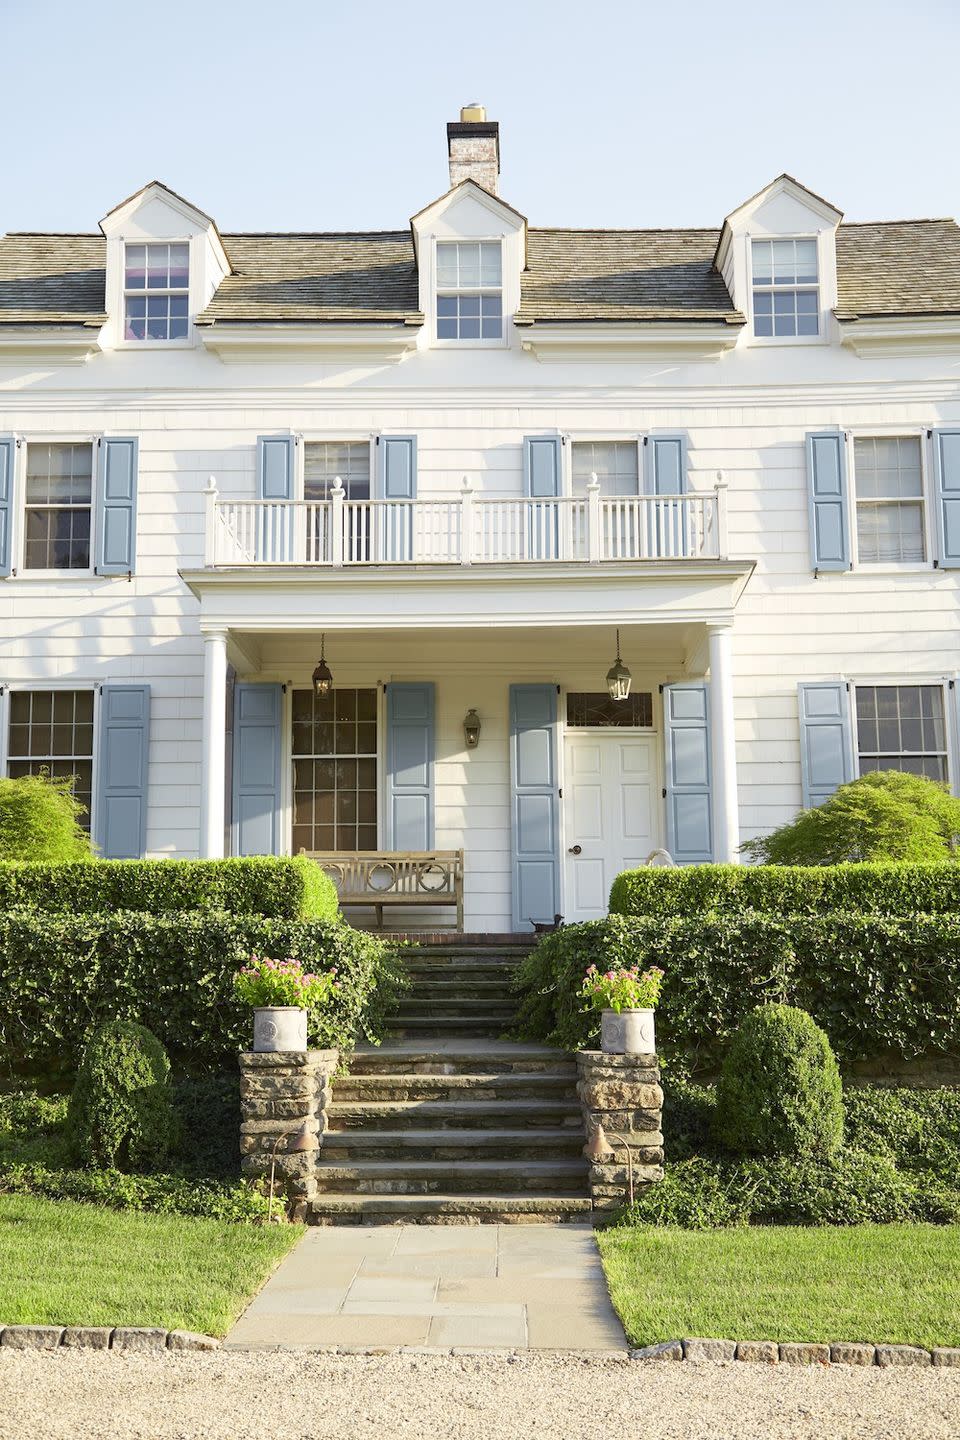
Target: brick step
[361, 1146]
[361, 1116]
[498, 1086]
[450, 1177]
[448, 1209]
[461, 1058]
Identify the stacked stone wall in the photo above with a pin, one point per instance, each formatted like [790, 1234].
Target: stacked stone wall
[622, 1094]
[281, 1095]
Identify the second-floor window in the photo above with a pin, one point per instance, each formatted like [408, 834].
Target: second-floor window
[614, 462]
[156, 290]
[469, 290]
[324, 460]
[786, 292]
[888, 477]
[58, 506]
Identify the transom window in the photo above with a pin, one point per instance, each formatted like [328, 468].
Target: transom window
[597, 710]
[334, 770]
[469, 290]
[156, 286]
[901, 727]
[614, 462]
[889, 488]
[786, 295]
[58, 504]
[51, 731]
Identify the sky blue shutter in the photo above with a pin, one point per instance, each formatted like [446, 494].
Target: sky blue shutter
[946, 456]
[257, 717]
[828, 498]
[410, 749]
[397, 465]
[826, 753]
[665, 465]
[8, 450]
[275, 481]
[686, 714]
[121, 783]
[534, 797]
[543, 480]
[116, 543]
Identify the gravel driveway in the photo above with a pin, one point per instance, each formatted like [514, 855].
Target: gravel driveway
[226, 1396]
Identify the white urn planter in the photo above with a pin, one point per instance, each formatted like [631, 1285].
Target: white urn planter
[279, 1027]
[627, 1032]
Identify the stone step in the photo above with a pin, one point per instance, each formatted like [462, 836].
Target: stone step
[356, 1146]
[452, 951]
[361, 1116]
[423, 1027]
[454, 986]
[451, 1177]
[448, 1209]
[456, 1006]
[459, 1058]
[498, 1086]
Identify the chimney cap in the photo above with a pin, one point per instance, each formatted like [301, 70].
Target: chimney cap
[474, 113]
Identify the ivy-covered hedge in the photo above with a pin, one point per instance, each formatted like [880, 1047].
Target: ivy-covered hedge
[788, 890]
[877, 984]
[285, 888]
[61, 975]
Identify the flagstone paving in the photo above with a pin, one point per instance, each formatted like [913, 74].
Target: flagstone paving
[473, 1286]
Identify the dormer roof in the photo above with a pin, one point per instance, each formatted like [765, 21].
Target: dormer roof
[493, 203]
[783, 184]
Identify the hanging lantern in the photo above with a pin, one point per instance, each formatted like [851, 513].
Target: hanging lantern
[619, 678]
[322, 678]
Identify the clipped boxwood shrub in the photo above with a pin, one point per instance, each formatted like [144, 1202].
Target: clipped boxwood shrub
[281, 888]
[788, 890]
[779, 1090]
[62, 975]
[121, 1114]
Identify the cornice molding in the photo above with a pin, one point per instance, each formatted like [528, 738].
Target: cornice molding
[233, 341]
[606, 343]
[911, 335]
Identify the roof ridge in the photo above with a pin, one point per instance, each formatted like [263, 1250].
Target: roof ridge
[918, 220]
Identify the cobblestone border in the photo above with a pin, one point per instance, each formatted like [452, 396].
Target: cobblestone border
[142, 1339]
[770, 1352]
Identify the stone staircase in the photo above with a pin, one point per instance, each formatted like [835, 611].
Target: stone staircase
[446, 1123]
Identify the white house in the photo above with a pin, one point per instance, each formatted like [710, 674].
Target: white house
[456, 459]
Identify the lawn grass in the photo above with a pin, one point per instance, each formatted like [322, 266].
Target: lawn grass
[63, 1263]
[898, 1284]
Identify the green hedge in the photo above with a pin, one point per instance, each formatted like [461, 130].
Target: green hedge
[877, 984]
[62, 975]
[293, 888]
[787, 889]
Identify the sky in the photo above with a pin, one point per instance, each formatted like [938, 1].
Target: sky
[287, 115]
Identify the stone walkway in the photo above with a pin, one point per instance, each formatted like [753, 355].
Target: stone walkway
[537, 1287]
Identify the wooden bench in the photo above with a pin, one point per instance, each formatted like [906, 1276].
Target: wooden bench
[395, 877]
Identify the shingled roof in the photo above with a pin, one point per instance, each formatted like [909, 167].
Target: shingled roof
[909, 267]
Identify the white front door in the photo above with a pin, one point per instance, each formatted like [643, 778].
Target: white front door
[610, 790]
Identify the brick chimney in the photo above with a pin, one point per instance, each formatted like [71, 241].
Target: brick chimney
[473, 143]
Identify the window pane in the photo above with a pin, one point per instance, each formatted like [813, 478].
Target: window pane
[490, 264]
[324, 460]
[598, 710]
[902, 728]
[890, 534]
[469, 264]
[447, 329]
[333, 791]
[762, 261]
[447, 265]
[806, 263]
[135, 271]
[179, 265]
[808, 325]
[51, 731]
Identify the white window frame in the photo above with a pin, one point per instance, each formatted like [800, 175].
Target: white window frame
[333, 437]
[502, 342]
[23, 441]
[823, 313]
[19, 686]
[194, 303]
[899, 681]
[286, 750]
[598, 437]
[891, 432]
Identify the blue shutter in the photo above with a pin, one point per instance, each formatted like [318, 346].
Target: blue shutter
[665, 465]
[8, 450]
[946, 467]
[826, 752]
[828, 499]
[542, 480]
[397, 465]
[534, 797]
[121, 787]
[275, 467]
[117, 506]
[257, 715]
[410, 749]
[686, 716]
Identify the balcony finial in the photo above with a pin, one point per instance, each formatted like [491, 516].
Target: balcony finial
[338, 489]
[467, 485]
[721, 484]
[594, 482]
[211, 485]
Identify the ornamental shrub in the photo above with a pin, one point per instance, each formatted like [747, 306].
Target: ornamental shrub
[40, 820]
[121, 1115]
[779, 1090]
[884, 815]
[282, 888]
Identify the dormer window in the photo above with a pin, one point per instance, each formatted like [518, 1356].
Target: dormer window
[786, 290]
[469, 290]
[156, 285]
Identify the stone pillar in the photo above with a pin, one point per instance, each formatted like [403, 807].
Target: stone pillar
[622, 1093]
[214, 742]
[723, 746]
[279, 1094]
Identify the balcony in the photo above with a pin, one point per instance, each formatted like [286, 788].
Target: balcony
[465, 530]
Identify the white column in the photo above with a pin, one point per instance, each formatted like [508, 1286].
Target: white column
[723, 746]
[214, 744]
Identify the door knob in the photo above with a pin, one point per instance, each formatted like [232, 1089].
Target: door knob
[575, 849]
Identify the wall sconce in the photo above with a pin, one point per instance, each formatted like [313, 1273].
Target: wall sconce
[471, 729]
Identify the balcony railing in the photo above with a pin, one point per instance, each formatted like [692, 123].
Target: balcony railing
[466, 529]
